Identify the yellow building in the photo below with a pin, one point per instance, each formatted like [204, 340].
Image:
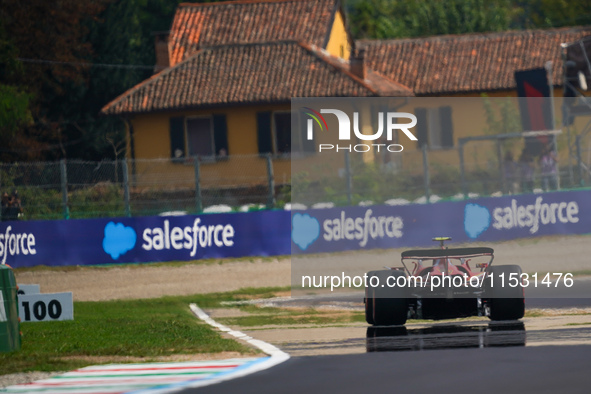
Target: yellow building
[468, 65]
[231, 69]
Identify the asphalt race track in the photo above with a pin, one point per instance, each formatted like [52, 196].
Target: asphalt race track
[443, 358]
[546, 369]
[578, 296]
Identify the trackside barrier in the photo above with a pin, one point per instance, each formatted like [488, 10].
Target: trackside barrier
[272, 233]
[10, 338]
[144, 239]
[488, 219]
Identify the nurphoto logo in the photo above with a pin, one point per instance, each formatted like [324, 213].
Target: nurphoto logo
[388, 122]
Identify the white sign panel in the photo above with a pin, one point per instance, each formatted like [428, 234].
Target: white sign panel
[28, 289]
[46, 307]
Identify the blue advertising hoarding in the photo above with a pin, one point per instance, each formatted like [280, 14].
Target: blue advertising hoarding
[483, 220]
[143, 239]
[268, 233]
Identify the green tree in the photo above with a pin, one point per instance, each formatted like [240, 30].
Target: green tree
[42, 93]
[74, 42]
[553, 13]
[399, 18]
[14, 101]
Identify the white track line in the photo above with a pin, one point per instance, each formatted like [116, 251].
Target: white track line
[271, 350]
[277, 356]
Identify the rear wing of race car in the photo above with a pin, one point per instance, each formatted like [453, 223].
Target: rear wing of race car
[451, 253]
[455, 253]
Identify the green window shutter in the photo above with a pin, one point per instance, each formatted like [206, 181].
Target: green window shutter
[422, 127]
[264, 132]
[177, 139]
[220, 134]
[447, 130]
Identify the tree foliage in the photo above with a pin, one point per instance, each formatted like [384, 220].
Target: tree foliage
[400, 18]
[42, 95]
[50, 110]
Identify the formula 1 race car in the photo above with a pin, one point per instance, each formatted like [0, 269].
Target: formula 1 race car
[443, 284]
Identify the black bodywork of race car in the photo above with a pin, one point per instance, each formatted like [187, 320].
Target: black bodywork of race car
[444, 283]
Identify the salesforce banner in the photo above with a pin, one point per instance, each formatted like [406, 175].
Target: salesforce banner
[144, 239]
[268, 233]
[482, 220]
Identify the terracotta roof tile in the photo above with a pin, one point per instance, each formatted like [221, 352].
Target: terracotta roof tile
[250, 73]
[239, 22]
[471, 62]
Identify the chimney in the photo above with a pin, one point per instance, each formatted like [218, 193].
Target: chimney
[357, 63]
[161, 46]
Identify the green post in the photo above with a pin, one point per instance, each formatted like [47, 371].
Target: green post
[10, 337]
[198, 199]
[426, 174]
[126, 187]
[504, 186]
[348, 178]
[64, 179]
[579, 161]
[462, 170]
[271, 182]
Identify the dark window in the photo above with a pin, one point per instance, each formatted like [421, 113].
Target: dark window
[220, 135]
[282, 132]
[422, 127]
[447, 130]
[177, 139]
[264, 132]
[300, 141]
[200, 137]
[434, 127]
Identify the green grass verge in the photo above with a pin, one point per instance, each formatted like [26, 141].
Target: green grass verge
[289, 316]
[147, 328]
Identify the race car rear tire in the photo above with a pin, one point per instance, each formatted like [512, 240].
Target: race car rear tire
[385, 305]
[368, 306]
[504, 302]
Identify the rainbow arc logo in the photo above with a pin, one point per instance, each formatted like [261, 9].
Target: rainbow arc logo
[317, 117]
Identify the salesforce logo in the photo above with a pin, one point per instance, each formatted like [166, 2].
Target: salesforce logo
[189, 238]
[119, 239]
[535, 215]
[477, 219]
[14, 244]
[306, 229]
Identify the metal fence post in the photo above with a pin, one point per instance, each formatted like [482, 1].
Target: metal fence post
[198, 200]
[271, 182]
[126, 187]
[462, 172]
[504, 186]
[426, 175]
[579, 161]
[64, 185]
[349, 178]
